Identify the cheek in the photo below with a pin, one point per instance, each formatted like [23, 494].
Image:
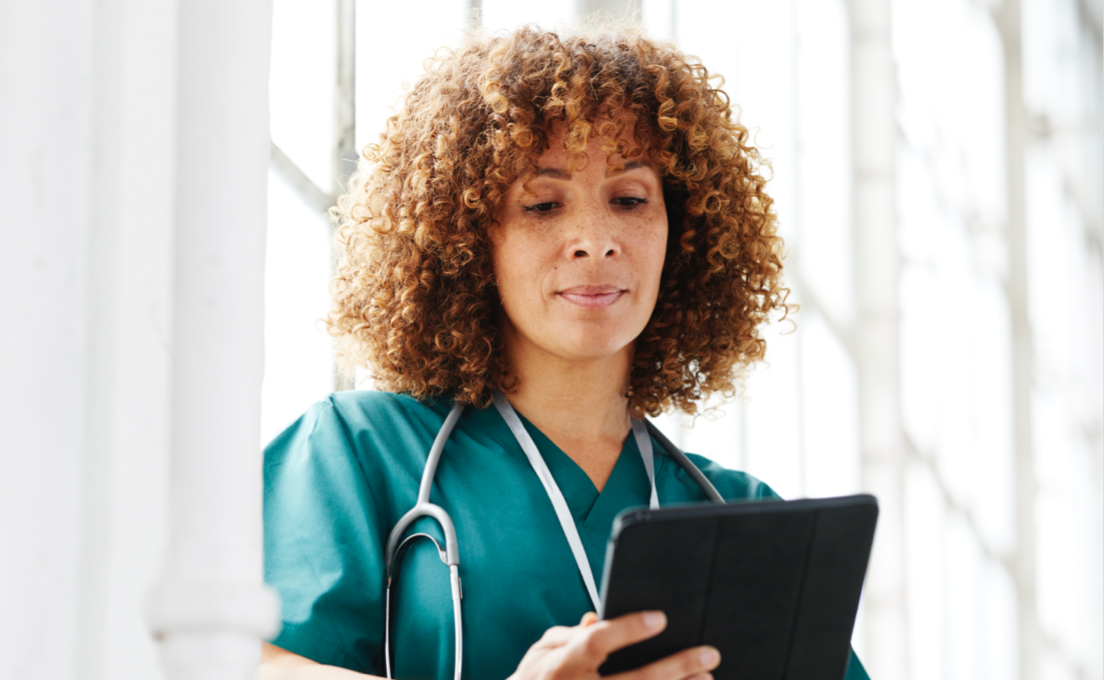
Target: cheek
[655, 250]
[514, 266]
[522, 256]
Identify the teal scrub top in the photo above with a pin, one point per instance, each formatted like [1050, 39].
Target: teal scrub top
[342, 475]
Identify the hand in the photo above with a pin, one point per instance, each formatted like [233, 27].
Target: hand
[575, 653]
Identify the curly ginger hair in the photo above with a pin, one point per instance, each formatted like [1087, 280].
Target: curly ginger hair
[414, 296]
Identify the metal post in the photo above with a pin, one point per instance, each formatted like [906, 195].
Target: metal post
[1008, 21]
[344, 146]
[211, 609]
[617, 9]
[874, 140]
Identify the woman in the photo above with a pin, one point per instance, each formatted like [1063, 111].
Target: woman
[576, 225]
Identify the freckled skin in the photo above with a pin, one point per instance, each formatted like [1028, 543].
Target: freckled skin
[578, 256]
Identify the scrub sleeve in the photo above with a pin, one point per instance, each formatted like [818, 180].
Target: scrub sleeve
[318, 511]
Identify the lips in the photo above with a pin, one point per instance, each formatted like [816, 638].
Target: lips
[592, 296]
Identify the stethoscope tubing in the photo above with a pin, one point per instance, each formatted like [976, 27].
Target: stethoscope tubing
[451, 556]
[451, 553]
[697, 475]
[422, 507]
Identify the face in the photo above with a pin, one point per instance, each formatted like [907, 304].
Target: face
[578, 255]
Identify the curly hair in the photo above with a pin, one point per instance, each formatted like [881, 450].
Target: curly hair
[414, 294]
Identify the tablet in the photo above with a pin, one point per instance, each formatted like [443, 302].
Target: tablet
[774, 585]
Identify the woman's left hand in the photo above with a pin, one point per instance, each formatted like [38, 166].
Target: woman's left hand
[576, 652]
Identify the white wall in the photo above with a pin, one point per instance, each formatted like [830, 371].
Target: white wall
[88, 207]
[85, 125]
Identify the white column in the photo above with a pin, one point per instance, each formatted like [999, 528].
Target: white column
[45, 190]
[86, 129]
[874, 141]
[124, 512]
[211, 609]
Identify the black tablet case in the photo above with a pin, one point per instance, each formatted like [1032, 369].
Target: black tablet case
[773, 585]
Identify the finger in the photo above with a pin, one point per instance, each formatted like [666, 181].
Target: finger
[556, 636]
[589, 619]
[603, 637]
[689, 664]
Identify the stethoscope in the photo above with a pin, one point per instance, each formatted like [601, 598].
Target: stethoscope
[450, 555]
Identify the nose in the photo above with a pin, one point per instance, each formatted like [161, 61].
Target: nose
[593, 235]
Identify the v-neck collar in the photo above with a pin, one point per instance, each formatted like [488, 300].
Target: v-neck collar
[627, 484]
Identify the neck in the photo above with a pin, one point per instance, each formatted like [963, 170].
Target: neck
[580, 405]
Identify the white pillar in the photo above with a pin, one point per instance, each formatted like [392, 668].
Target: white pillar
[45, 188]
[86, 132]
[874, 142]
[211, 609]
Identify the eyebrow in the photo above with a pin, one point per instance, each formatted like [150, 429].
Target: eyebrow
[554, 173]
[557, 173]
[633, 165]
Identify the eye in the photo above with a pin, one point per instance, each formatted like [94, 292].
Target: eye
[629, 201]
[547, 206]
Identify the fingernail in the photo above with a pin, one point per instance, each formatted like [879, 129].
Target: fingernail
[654, 619]
[710, 657]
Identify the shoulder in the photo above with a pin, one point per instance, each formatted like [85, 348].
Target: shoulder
[384, 412]
[732, 484]
[367, 424]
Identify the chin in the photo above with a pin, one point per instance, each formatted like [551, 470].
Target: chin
[592, 347]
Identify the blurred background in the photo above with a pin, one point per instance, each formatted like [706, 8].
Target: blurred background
[937, 170]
